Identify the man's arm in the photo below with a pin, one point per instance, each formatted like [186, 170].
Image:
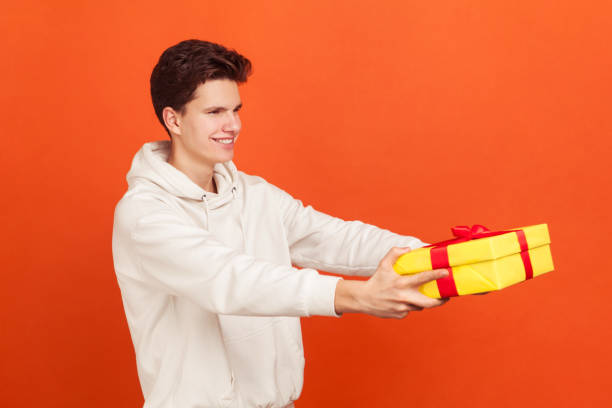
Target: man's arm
[153, 244]
[320, 241]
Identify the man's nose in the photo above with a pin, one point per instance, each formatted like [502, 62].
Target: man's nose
[232, 122]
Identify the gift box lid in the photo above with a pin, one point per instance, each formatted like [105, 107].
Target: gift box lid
[473, 245]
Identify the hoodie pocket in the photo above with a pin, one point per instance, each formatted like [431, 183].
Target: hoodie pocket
[268, 363]
[294, 334]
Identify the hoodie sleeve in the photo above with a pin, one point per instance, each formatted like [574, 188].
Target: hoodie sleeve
[320, 241]
[185, 260]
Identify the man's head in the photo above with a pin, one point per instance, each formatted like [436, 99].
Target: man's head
[186, 65]
[194, 88]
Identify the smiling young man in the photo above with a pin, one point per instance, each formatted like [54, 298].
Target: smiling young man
[203, 253]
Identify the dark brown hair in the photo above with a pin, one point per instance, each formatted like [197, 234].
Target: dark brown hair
[186, 65]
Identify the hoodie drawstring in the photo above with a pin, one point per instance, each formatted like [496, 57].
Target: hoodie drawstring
[244, 240]
[241, 222]
[206, 210]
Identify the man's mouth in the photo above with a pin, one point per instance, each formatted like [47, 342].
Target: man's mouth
[224, 140]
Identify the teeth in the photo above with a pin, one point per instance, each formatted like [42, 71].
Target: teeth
[224, 141]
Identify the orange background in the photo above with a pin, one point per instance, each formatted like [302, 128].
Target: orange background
[411, 115]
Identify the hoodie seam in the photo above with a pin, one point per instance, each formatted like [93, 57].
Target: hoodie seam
[323, 265]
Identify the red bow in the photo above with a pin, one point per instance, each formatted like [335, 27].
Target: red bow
[464, 233]
[469, 232]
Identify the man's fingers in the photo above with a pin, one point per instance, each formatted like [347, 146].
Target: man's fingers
[421, 278]
[421, 301]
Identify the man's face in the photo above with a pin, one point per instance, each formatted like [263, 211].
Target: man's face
[210, 123]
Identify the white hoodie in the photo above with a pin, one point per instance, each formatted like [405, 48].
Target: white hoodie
[210, 294]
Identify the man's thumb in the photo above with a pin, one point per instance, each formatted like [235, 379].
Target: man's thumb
[391, 257]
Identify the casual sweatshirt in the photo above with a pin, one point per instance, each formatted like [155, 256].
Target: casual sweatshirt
[211, 296]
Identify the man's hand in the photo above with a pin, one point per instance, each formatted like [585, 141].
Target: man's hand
[386, 293]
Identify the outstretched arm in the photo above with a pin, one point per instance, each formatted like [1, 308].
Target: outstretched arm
[163, 250]
[320, 241]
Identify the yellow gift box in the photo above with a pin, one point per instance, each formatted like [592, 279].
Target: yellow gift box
[479, 260]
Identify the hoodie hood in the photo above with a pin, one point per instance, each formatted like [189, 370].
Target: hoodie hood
[150, 165]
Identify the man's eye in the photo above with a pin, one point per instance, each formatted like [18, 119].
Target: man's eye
[214, 112]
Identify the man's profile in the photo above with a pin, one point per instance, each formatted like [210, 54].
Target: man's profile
[203, 252]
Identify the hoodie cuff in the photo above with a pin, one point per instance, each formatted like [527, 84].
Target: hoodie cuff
[415, 243]
[322, 296]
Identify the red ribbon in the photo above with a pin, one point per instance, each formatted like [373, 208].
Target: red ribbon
[463, 233]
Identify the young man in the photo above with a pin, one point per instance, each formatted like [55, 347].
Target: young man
[203, 253]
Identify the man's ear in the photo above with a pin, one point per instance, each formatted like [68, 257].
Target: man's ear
[172, 120]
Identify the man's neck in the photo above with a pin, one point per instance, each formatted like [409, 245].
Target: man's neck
[198, 172]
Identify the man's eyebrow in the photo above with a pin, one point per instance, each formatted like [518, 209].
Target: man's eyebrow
[222, 107]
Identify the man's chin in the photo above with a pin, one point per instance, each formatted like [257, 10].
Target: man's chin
[224, 158]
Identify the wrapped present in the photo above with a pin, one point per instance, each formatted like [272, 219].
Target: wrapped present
[479, 260]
